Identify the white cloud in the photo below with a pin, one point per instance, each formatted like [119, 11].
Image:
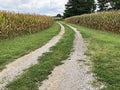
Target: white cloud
[49, 7]
[34, 4]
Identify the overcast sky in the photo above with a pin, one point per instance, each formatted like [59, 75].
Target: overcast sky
[44, 7]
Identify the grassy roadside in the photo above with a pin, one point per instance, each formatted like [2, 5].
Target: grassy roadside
[31, 79]
[104, 51]
[11, 49]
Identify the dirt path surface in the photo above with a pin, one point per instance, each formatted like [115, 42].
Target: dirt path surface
[16, 68]
[73, 74]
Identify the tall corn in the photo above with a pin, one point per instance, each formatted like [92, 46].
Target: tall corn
[15, 24]
[108, 21]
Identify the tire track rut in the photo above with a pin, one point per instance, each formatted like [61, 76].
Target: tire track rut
[73, 74]
[17, 67]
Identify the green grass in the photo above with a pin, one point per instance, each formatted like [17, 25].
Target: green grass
[104, 51]
[11, 49]
[31, 79]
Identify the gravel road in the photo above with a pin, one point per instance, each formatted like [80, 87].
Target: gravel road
[15, 68]
[74, 74]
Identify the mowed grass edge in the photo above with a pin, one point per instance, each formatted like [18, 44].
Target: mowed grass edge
[10, 49]
[32, 78]
[104, 51]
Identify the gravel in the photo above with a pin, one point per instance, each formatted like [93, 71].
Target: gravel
[75, 73]
[17, 67]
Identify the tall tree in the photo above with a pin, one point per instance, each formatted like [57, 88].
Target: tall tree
[78, 7]
[115, 4]
[105, 5]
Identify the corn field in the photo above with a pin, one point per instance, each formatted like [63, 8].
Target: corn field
[16, 24]
[108, 21]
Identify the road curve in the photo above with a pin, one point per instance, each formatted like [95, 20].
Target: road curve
[73, 74]
[17, 67]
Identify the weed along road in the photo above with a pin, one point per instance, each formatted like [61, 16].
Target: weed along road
[72, 75]
[15, 68]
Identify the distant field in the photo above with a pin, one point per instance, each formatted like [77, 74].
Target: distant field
[104, 51]
[106, 21]
[17, 24]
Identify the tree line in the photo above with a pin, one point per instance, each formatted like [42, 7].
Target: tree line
[79, 7]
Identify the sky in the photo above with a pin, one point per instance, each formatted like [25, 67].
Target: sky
[43, 7]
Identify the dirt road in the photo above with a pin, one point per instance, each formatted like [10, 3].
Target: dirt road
[15, 68]
[73, 74]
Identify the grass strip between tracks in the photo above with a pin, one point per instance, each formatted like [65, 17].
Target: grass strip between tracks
[32, 77]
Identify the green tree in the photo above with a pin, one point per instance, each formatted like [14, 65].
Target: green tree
[105, 5]
[59, 15]
[115, 4]
[78, 7]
